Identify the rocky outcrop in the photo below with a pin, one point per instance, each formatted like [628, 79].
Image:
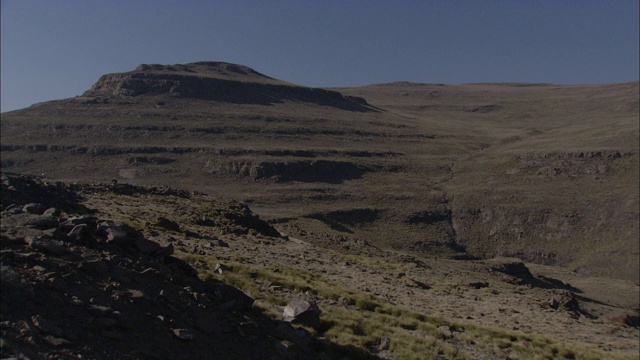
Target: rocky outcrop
[328, 171]
[429, 217]
[518, 271]
[219, 82]
[566, 164]
[21, 189]
[74, 285]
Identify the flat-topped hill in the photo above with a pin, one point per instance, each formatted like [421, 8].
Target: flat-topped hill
[218, 81]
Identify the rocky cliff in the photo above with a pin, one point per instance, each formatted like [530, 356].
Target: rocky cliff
[216, 81]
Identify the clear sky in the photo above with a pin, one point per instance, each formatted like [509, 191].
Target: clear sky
[58, 49]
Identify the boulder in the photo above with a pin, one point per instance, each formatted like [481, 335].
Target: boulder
[184, 334]
[516, 269]
[233, 298]
[47, 245]
[110, 232]
[445, 332]
[167, 224]
[146, 246]
[34, 208]
[41, 222]
[627, 319]
[475, 283]
[302, 311]
[78, 233]
[52, 212]
[416, 284]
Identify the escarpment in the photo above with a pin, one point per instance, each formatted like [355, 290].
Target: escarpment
[219, 82]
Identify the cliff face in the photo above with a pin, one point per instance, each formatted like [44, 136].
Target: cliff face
[219, 82]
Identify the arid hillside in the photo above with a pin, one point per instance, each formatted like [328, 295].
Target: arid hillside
[95, 271]
[206, 211]
[540, 172]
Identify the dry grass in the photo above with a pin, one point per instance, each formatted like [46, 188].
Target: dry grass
[364, 320]
[455, 148]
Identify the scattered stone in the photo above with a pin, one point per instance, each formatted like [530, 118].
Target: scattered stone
[34, 208]
[180, 266]
[11, 209]
[167, 250]
[51, 246]
[569, 302]
[146, 246]
[302, 311]
[41, 222]
[135, 294]
[416, 284]
[247, 328]
[220, 243]
[517, 270]
[77, 270]
[626, 319]
[284, 348]
[97, 266]
[241, 301]
[100, 309]
[114, 232]
[52, 212]
[45, 326]
[59, 284]
[57, 341]
[167, 224]
[219, 268]
[184, 334]
[284, 330]
[385, 343]
[475, 283]
[445, 332]
[76, 220]
[78, 233]
[8, 239]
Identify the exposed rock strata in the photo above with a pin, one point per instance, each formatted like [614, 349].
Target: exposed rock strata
[210, 83]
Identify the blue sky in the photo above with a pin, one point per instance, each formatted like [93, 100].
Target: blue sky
[58, 49]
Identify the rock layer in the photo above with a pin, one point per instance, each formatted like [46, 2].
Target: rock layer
[219, 82]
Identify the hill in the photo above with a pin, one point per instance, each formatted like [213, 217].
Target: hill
[545, 173]
[468, 221]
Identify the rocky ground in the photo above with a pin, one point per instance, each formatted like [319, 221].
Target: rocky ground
[93, 270]
[77, 284]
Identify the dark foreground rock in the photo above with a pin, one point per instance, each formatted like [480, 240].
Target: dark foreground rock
[79, 286]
